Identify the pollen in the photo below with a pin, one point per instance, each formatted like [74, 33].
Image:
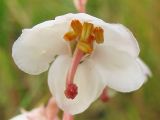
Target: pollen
[74, 32]
[71, 91]
[99, 37]
[85, 47]
[76, 26]
[84, 34]
[70, 36]
[86, 31]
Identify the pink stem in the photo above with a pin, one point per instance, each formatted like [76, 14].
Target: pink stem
[52, 109]
[67, 116]
[82, 6]
[74, 64]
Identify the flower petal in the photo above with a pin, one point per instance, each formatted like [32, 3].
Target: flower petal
[37, 47]
[119, 70]
[87, 79]
[145, 69]
[83, 17]
[120, 37]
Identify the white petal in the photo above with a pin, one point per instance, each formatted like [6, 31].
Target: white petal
[120, 71]
[145, 69]
[37, 47]
[118, 36]
[87, 79]
[20, 117]
[83, 17]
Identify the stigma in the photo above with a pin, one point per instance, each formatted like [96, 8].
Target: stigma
[81, 37]
[71, 91]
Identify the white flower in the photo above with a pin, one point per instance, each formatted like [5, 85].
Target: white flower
[81, 63]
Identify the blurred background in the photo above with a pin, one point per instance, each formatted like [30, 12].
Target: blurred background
[20, 90]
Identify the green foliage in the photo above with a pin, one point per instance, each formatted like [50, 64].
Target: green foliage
[21, 90]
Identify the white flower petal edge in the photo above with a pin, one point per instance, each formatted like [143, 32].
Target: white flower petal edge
[20, 117]
[37, 47]
[83, 17]
[147, 72]
[119, 70]
[87, 79]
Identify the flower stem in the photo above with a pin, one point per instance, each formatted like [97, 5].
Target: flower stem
[67, 116]
[82, 6]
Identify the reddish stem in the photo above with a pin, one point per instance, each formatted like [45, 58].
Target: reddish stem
[67, 116]
[51, 109]
[81, 6]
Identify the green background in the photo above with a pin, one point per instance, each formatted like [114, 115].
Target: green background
[20, 90]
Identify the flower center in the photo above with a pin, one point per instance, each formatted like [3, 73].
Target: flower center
[81, 38]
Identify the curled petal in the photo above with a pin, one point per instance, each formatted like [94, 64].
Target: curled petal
[87, 79]
[36, 48]
[145, 69]
[119, 70]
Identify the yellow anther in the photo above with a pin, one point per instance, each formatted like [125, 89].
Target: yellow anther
[99, 37]
[86, 31]
[69, 36]
[85, 47]
[83, 36]
[91, 38]
[76, 26]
